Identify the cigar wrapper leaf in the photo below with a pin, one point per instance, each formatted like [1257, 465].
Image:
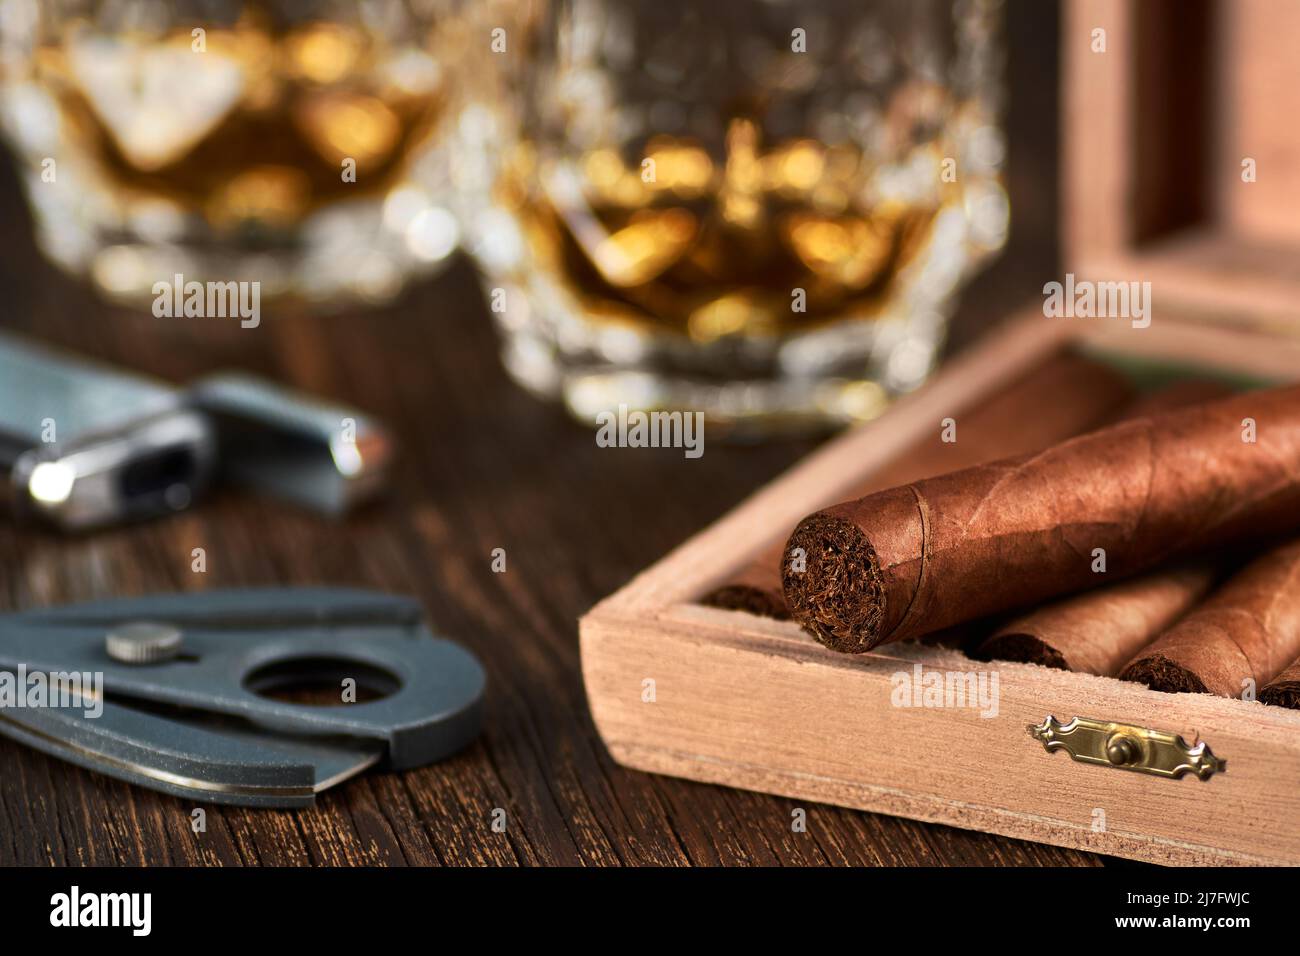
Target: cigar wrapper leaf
[1242, 636]
[1064, 396]
[1284, 689]
[936, 552]
[1100, 631]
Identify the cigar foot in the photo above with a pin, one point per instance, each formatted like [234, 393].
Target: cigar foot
[740, 597]
[1160, 673]
[1022, 648]
[839, 597]
[1282, 694]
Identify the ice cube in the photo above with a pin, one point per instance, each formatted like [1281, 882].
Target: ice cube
[156, 101]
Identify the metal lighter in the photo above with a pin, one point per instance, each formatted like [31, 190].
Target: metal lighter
[83, 445]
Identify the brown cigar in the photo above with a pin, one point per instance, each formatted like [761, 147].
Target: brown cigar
[1284, 689]
[1062, 397]
[936, 552]
[1247, 630]
[1099, 631]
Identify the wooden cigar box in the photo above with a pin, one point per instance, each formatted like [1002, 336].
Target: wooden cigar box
[752, 702]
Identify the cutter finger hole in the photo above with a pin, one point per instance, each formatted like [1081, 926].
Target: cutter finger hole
[322, 682]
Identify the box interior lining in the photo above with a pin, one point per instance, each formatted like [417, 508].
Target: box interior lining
[1216, 82]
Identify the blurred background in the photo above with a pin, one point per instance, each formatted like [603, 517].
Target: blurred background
[482, 221]
[769, 213]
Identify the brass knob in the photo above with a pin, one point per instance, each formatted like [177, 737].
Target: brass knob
[1121, 750]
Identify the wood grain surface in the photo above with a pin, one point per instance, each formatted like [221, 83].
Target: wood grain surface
[483, 466]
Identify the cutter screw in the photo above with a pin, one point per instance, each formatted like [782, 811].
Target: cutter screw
[143, 642]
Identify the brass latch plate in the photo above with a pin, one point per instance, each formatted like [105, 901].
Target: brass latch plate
[1127, 747]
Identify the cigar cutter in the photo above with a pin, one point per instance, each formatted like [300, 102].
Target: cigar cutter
[186, 693]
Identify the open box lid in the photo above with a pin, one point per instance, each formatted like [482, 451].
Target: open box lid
[1157, 129]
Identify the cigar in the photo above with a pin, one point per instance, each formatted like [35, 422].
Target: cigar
[1248, 630]
[933, 553]
[1064, 396]
[1099, 631]
[1284, 689]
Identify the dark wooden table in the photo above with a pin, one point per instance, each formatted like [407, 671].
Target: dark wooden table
[484, 466]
